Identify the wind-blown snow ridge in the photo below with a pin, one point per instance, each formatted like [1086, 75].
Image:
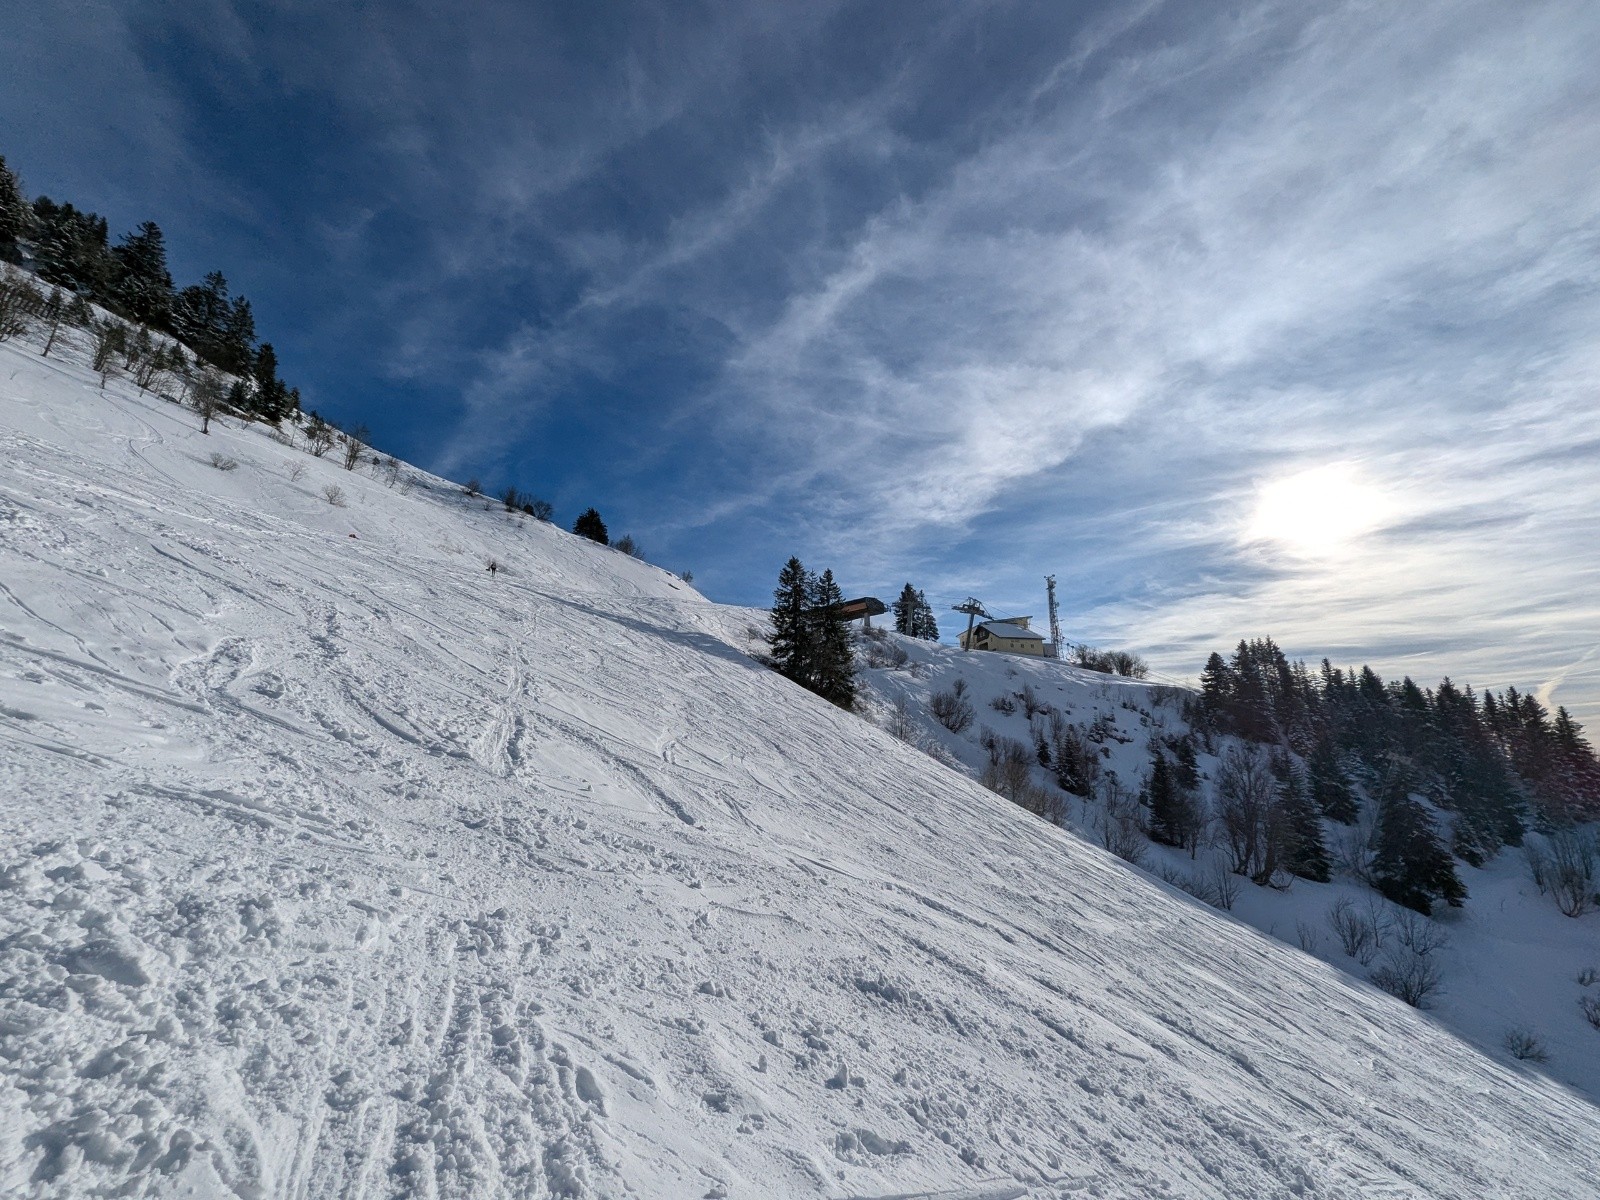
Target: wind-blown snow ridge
[334, 867]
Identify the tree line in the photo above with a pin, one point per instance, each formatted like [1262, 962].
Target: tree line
[1494, 765]
[70, 250]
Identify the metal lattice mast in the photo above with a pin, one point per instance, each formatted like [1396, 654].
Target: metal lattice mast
[1055, 617]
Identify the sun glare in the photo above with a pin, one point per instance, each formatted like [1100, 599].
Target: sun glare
[1319, 511]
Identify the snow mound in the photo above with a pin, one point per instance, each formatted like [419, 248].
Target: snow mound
[331, 866]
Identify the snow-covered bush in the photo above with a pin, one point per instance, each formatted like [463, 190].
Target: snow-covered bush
[222, 462]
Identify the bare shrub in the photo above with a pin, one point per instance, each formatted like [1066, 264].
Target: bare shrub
[1589, 976]
[1525, 1046]
[390, 468]
[108, 338]
[206, 396]
[1031, 704]
[320, 436]
[295, 470]
[1349, 849]
[1417, 933]
[900, 723]
[511, 498]
[1410, 976]
[354, 443]
[472, 487]
[1120, 821]
[539, 510]
[283, 436]
[1357, 937]
[222, 462]
[1590, 1005]
[1308, 937]
[334, 495]
[882, 654]
[1003, 704]
[1218, 887]
[627, 545]
[1245, 795]
[1572, 874]
[951, 708]
[1009, 769]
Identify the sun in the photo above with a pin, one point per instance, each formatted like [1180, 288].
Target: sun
[1318, 512]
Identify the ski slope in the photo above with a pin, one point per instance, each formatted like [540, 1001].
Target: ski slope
[332, 867]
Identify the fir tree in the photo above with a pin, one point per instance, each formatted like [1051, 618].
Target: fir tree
[141, 286]
[16, 214]
[1329, 787]
[1410, 864]
[833, 673]
[905, 611]
[271, 398]
[791, 638]
[590, 525]
[71, 249]
[1169, 807]
[924, 624]
[1304, 852]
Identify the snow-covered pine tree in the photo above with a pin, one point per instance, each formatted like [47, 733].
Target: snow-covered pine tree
[141, 285]
[16, 214]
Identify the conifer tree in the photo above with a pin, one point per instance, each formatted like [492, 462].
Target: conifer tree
[791, 636]
[905, 611]
[590, 525]
[271, 399]
[924, 624]
[1410, 864]
[1329, 787]
[1304, 852]
[141, 286]
[16, 214]
[833, 674]
[1169, 808]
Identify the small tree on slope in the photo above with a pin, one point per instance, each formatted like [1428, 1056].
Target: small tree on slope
[590, 525]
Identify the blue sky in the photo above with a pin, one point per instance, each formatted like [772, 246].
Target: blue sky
[1276, 318]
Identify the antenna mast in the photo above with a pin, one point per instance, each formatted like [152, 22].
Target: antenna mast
[1055, 617]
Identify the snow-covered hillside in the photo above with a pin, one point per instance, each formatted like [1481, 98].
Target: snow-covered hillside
[1510, 960]
[332, 867]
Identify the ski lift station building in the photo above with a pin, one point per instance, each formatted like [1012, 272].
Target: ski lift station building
[1010, 636]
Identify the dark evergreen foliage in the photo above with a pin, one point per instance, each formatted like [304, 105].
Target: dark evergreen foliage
[1486, 761]
[810, 640]
[590, 525]
[141, 286]
[913, 615]
[1410, 863]
[833, 673]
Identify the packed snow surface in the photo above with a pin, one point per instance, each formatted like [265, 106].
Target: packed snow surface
[334, 867]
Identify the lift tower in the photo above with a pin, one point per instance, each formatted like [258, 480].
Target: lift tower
[974, 610]
[1055, 617]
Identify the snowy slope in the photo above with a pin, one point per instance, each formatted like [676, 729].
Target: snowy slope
[1511, 961]
[332, 867]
